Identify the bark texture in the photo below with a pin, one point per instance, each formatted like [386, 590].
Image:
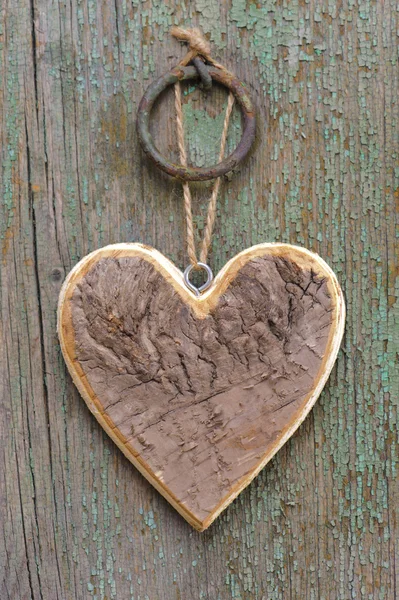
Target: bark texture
[201, 400]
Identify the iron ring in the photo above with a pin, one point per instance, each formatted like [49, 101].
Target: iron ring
[196, 173]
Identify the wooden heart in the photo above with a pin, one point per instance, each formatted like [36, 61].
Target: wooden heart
[200, 393]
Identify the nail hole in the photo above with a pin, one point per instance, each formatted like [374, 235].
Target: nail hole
[56, 275]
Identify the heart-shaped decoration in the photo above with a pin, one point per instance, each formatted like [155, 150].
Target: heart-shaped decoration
[200, 392]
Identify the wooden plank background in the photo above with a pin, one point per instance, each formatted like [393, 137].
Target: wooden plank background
[78, 522]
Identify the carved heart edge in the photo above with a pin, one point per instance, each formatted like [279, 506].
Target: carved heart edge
[201, 307]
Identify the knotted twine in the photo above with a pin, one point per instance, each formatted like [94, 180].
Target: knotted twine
[198, 46]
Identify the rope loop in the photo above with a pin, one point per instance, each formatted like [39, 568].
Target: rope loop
[199, 46]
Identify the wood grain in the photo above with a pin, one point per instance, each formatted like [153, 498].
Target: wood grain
[200, 393]
[320, 522]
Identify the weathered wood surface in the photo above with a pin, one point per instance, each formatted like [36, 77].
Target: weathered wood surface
[78, 520]
[200, 393]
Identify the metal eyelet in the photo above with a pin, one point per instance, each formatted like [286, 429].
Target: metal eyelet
[204, 286]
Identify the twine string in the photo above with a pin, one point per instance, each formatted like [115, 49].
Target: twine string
[198, 46]
[197, 43]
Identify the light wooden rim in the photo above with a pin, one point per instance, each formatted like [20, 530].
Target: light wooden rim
[201, 307]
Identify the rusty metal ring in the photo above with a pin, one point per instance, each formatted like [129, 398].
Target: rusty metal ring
[196, 173]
